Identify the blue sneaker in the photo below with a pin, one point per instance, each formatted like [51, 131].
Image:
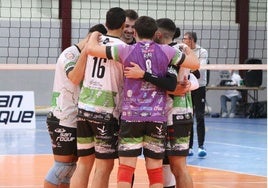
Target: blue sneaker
[191, 152]
[202, 152]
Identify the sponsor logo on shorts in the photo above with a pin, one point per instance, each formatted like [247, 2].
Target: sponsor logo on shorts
[64, 136]
[102, 131]
[60, 130]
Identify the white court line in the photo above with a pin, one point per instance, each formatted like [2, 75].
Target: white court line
[236, 145]
[218, 169]
[237, 130]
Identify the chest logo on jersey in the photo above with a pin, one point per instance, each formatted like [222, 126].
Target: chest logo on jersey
[107, 40]
[69, 56]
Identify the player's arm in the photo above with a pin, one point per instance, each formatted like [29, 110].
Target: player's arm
[189, 83]
[168, 82]
[189, 59]
[76, 74]
[93, 47]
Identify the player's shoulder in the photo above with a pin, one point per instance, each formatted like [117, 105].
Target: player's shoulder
[69, 54]
[177, 46]
[72, 48]
[111, 40]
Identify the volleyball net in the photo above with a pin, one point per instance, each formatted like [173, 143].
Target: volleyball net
[31, 31]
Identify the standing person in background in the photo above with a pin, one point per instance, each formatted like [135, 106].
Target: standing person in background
[143, 121]
[128, 31]
[232, 96]
[61, 120]
[97, 125]
[198, 95]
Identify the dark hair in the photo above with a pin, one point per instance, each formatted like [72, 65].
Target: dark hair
[167, 27]
[115, 17]
[177, 33]
[192, 35]
[132, 14]
[166, 24]
[99, 27]
[145, 27]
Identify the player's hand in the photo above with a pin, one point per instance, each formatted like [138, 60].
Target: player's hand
[134, 72]
[182, 87]
[184, 48]
[93, 39]
[96, 35]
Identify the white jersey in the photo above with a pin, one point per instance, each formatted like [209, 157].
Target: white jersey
[65, 93]
[103, 83]
[181, 105]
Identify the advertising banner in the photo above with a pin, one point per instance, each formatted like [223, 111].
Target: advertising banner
[17, 109]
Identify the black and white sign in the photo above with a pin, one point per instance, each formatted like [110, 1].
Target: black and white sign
[17, 109]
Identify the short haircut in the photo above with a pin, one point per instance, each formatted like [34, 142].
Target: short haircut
[115, 17]
[99, 27]
[145, 27]
[166, 24]
[131, 14]
[167, 27]
[192, 35]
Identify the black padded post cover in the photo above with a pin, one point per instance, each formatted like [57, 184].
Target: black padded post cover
[253, 78]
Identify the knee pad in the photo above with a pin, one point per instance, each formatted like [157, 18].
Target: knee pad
[169, 179]
[155, 175]
[125, 173]
[61, 173]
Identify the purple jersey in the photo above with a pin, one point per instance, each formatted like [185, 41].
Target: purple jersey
[143, 101]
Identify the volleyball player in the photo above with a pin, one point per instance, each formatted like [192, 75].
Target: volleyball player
[180, 112]
[128, 31]
[180, 116]
[61, 120]
[97, 125]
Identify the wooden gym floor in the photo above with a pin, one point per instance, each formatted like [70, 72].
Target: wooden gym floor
[237, 156]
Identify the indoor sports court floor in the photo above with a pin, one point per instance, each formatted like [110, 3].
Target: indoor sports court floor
[237, 156]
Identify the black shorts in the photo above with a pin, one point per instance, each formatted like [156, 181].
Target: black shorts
[63, 139]
[100, 138]
[135, 136]
[178, 135]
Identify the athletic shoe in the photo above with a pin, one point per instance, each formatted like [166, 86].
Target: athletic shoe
[231, 115]
[224, 115]
[191, 152]
[202, 152]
